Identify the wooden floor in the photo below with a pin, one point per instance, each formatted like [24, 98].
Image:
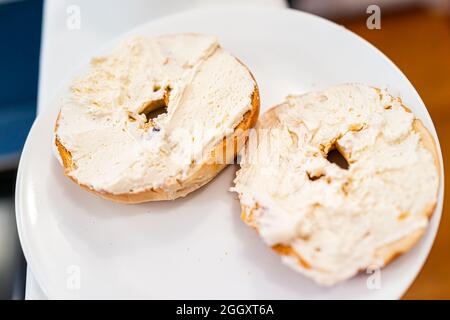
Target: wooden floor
[419, 43]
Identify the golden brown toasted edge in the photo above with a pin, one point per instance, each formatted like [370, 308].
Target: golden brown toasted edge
[269, 120]
[205, 173]
[394, 249]
[386, 253]
[428, 142]
[247, 215]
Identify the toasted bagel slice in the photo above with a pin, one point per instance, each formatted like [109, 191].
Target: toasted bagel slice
[156, 119]
[330, 220]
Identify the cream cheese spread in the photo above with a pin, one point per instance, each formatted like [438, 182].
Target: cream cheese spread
[104, 121]
[334, 218]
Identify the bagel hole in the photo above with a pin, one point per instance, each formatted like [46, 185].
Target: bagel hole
[334, 156]
[312, 177]
[157, 107]
[154, 109]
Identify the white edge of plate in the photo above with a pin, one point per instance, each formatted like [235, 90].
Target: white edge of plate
[432, 228]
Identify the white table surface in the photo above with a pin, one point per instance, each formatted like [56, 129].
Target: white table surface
[64, 47]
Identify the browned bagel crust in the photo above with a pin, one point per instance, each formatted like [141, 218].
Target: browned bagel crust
[387, 253]
[203, 174]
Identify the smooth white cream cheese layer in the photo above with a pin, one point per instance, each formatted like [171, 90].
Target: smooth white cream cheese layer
[102, 124]
[336, 218]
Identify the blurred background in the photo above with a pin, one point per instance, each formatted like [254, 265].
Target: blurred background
[37, 48]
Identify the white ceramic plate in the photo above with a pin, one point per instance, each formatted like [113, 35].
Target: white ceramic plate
[80, 246]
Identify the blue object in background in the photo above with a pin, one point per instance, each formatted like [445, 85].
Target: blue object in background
[20, 37]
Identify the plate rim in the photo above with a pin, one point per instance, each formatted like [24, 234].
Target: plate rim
[20, 211]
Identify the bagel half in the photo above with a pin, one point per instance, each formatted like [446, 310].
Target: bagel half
[330, 222]
[114, 139]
